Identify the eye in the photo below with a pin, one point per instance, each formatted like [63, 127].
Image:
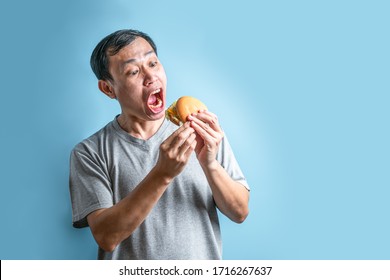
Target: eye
[153, 64]
[133, 72]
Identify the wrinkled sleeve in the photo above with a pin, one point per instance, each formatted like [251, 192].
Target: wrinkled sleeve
[89, 185]
[228, 161]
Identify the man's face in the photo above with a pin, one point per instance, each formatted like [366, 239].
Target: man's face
[139, 81]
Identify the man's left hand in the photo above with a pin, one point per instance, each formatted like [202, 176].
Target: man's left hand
[209, 136]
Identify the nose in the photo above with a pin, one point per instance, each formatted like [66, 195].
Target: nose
[149, 78]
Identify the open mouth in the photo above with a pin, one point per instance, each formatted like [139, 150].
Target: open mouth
[155, 101]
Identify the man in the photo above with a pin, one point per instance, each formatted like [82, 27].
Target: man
[146, 188]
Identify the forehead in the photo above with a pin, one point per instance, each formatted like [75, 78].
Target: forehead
[136, 50]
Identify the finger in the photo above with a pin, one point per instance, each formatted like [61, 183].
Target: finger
[204, 131]
[172, 137]
[185, 149]
[191, 148]
[204, 128]
[209, 118]
[182, 137]
[211, 114]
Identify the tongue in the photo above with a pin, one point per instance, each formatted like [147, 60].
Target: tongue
[152, 99]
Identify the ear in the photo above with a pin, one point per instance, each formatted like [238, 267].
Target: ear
[106, 88]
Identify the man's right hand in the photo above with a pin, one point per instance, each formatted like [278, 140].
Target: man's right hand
[175, 152]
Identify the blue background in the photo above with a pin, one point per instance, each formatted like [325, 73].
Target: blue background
[300, 87]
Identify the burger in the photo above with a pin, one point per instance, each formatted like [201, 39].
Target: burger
[182, 108]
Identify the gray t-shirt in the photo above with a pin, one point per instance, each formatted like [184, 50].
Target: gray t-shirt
[108, 165]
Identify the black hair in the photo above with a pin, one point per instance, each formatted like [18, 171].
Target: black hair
[111, 45]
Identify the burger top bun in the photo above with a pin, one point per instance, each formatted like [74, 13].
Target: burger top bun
[187, 105]
[182, 108]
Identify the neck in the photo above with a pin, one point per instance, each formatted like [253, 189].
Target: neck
[139, 128]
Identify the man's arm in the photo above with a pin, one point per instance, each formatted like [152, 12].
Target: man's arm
[231, 197]
[110, 226]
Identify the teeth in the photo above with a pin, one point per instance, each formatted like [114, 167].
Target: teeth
[159, 103]
[156, 91]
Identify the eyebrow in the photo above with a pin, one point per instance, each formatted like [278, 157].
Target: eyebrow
[132, 60]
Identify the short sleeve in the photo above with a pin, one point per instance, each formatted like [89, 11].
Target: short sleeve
[228, 161]
[89, 184]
